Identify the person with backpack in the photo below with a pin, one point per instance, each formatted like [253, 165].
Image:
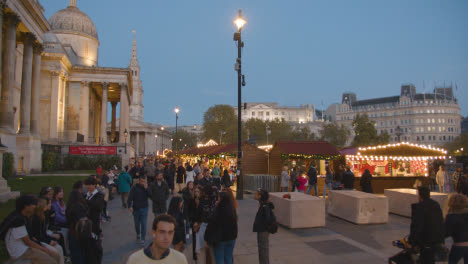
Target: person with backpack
[264, 224]
[124, 182]
[312, 174]
[293, 177]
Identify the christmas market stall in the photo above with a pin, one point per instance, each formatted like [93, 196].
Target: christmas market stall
[396, 165]
[254, 160]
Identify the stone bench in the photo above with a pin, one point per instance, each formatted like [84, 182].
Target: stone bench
[358, 207]
[400, 200]
[301, 211]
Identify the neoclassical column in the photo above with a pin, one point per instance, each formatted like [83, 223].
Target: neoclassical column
[84, 110]
[35, 89]
[54, 105]
[103, 132]
[123, 122]
[2, 10]
[8, 72]
[137, 143]
[113, 122]
[26, 79]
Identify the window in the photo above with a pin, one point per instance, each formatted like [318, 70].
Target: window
[282, 113]
[253, 113]
[422, 137]
[267, 113]
[260, 113]
[276, 113]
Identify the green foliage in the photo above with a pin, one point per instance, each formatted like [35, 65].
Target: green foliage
[366, 134]
[303, 134]
[50, 161]
[220, 121]
[457, 144]
[189, 140]
[334, 134]
[8, 165]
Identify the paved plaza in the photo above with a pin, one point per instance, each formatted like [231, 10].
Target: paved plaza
[338, 242]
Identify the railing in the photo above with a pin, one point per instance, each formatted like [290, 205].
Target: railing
[270, 183]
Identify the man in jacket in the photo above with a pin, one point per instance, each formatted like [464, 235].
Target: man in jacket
[427, 226]
[150, 171]
[95, 202]
[261, 224]
[159, 193]
[312, 174]
[138, 206]
[206, 181]
[124, 181]
[348, 179]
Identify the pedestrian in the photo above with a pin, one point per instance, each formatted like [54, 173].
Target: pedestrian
[223, 226]
[462, 184]
[206, 180]
[293, 179]
[171, 177]
[189, 174]
[196, 168]
[17, 241]
[366, 182]
[99, 170]
[59, 206]
[457, 175]
[138, 206]
[261, 223]
[442, 180]
[198, 179]
[76, 210]
[216, 178]
[159, 193]
[203, 213]
[328, 181]
[180, 177]
[150, 172]
[136, 171]
[160, 251]
[188, 194]
[456, 226]
[348, 179]
[427, 226]
[284, 179]
[226, 179]
[175, 210]
[37, 228]
[301, 178]
[337, 181]
[124, 181]
[95, 202]
[312, 174]
[194, 219]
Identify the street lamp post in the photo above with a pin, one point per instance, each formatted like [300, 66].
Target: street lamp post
[125, 136]
[240, 22]
[176, 110]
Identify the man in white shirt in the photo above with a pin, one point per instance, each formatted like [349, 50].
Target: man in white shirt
[159, 250]
[17, 241]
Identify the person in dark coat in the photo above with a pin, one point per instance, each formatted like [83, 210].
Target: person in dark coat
[138, 206]
[188, 194]
[348, 179]
[159, 193]
[427, 226]
[260, 225]
[206, 180]
[171, 173]
[76, 210]
[366, 182]
[456, 226]
[136, 171]
[312, 174]
[175, 210]
[95, 202]
[226, 179]
[293, 179]
[180, 177]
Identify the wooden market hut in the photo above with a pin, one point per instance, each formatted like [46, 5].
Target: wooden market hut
[285, 151]
[254, 160]
[396, 165]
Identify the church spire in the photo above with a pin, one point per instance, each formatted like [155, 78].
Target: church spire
[134, 58]
[72, 3]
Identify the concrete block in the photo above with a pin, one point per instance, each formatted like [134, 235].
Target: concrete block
[358, 207]
[301, 211]
[400, 200]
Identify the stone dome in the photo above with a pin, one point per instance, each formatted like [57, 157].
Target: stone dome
[72, 20]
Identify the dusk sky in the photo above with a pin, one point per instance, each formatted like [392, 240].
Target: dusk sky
[296, 52]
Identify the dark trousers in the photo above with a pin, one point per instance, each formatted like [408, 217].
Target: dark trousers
[427, 255]
[458, 253]
[76, 253]
[263, 247]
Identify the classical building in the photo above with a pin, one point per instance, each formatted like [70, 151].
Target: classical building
[430, 118]
[146, 138]
[271, 111]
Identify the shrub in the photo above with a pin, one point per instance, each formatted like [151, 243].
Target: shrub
[50, 161]
[8, 165]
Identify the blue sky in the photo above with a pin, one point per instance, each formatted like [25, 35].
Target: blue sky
[296, 52]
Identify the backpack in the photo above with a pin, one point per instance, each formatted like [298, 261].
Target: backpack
[270, 219]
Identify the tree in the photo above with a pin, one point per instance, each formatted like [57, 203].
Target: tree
[184, 140]
[334, 134]
[256, 130]
[220, 121]
[366, 134]
[459, 146]
[302, 133]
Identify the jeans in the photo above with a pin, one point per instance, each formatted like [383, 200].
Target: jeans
[310, 189]
[263, 248]
[223, 252]
[139, 218]
[458, 253]
[325, 186]
[76, 254]
[187, 226]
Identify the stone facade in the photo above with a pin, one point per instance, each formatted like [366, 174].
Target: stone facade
[431, 119]
[271, 111]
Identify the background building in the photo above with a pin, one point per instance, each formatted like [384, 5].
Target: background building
[271, 111]
[432, 118]
[464, 125]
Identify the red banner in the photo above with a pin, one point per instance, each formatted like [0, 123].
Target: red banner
[92, 150]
